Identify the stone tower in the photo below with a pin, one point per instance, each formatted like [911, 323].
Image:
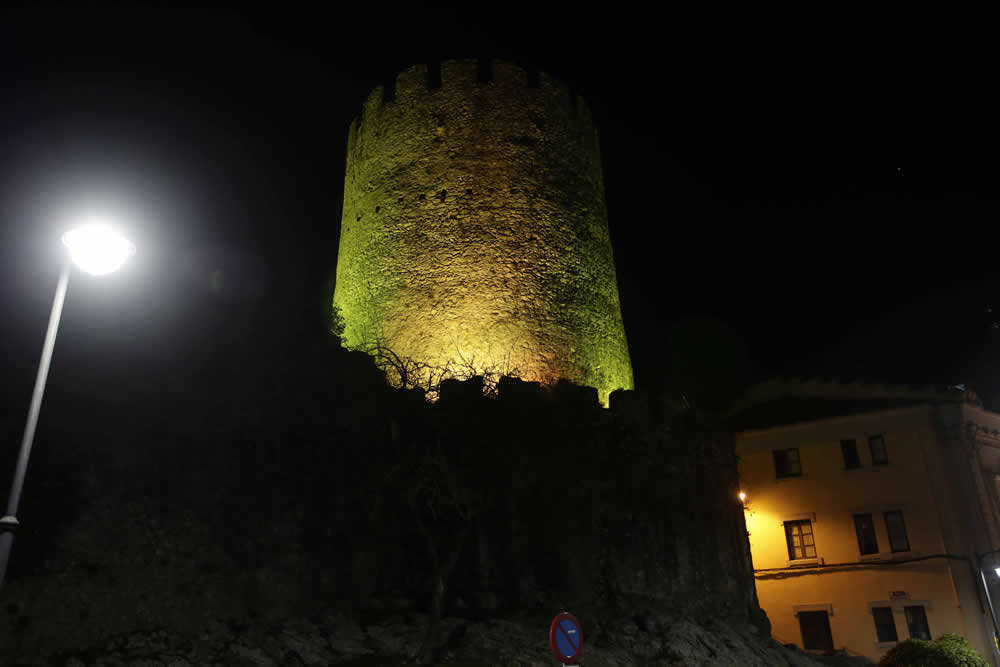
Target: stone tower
[475, 230]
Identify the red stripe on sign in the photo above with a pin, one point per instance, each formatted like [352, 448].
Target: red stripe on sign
[568, 638]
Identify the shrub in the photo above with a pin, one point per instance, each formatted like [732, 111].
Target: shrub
[337, 323]
[948, 650]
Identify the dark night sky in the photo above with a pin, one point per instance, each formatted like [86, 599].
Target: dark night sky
[828, 198]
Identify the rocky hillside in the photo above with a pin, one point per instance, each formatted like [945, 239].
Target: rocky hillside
[339, 640]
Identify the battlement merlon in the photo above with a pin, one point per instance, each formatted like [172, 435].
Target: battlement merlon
[412, 81]
[369, 116]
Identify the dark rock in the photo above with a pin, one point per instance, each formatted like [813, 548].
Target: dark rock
[461, 391]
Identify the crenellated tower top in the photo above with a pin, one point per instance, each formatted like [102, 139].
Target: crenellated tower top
[420, 83]
[474, 230]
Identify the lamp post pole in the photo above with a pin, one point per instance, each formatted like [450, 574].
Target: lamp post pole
[8, 523]
[989, 601]
[97, 249]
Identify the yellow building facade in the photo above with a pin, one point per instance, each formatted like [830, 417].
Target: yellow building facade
[871, 515]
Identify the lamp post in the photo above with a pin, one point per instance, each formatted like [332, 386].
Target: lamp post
[989, 598]
[98, 250]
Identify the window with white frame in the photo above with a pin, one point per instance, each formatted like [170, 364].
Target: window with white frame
[799, 537]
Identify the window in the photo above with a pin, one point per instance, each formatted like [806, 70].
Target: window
[786, 463]
[799, 535]
[877, 445]
[849, 448]
[816, 635]
[865, 527]
[916, 622]
[898, 541]
[885, 624]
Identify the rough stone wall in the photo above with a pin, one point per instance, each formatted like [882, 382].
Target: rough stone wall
[475, 229]
[628, 517]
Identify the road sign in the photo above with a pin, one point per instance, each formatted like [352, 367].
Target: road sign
[566, 638]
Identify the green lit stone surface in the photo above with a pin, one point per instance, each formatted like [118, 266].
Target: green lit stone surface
[475, 229]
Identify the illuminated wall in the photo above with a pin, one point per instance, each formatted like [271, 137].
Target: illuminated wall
[919, 480]
[475, 228]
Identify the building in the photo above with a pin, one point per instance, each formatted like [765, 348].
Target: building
[474, 236]
[869, 510]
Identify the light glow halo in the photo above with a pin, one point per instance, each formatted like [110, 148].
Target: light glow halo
[97, 249]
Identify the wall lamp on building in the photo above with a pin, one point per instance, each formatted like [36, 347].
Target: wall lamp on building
[743, 501]
[990, 556]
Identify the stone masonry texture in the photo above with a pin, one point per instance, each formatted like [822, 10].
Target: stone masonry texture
[475, 230]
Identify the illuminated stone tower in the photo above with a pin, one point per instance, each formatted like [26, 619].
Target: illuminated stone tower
[475, 228]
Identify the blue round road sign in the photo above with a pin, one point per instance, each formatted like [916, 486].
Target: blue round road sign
[566, 638]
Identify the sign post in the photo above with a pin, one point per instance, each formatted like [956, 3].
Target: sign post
[566, 638]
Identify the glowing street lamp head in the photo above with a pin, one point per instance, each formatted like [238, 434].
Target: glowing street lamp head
[97, 249]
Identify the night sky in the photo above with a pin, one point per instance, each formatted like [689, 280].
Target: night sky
[809, 205]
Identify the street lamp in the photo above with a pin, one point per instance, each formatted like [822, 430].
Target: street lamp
[96, 249]
[989, 599]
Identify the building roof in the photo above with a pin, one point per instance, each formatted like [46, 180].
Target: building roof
[788, 401]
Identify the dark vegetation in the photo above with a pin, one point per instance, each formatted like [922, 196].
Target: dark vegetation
[948, 650]
[296, 482]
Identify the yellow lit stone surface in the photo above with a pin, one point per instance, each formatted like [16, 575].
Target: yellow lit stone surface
[475, 229]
